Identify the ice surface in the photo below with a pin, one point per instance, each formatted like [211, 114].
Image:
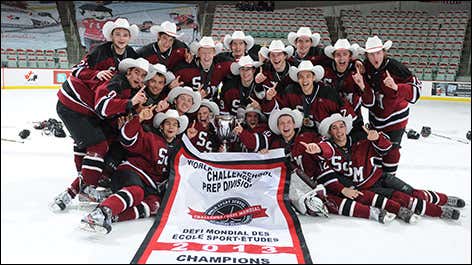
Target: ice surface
[34, 172]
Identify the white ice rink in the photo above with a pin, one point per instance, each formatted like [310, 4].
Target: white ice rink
[33, 172]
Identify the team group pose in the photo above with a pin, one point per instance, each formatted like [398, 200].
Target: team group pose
[127, 110]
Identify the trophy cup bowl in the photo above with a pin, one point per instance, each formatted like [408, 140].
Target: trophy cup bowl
[224, 129]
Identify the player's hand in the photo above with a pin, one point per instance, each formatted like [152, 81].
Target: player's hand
[359, 79]
[255, 104]
[389, 82]
[311, 148]
[162, 105]
[271, 92]
[176, 82]
[147, 113]
[238, 129]
[359, 67]
[372, 135]
[351, 193]
[263, 151]
[104, 75]
[192, 132]
[260, 77]
[140, 97]
[188, 56]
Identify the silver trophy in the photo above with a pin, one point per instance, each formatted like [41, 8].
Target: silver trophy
[224, 129]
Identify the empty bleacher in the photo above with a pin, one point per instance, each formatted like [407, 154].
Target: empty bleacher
[265, 26]
[431, 46]
[29, 58]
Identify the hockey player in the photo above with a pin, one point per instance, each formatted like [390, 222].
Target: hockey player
[306, 47]
[254, 130]
[206, 71]
[240, 45]
[242, 90]
[184, 100]
[202, 133]
[315, 99]
[139, 182]
[102, 62]
[346, 79]
[359, 166]
[394, 87]
[167, 50]
[276, 70]
[76, 109]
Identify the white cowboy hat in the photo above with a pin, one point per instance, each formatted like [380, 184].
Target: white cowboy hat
[374, 44]
[276, 46]
[131, 63]
[326, 123]
[121, 23]
[205, 42]
[275, 115]
[176, 91]
[171, 114]
[306, 65]
[238, 35]
[210, 105]
[304, 31]
[250, 108]
[245, 61]
[166, 27]
[159, 68]
[342, 44]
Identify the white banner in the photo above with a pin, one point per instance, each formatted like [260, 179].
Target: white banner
[225, 208]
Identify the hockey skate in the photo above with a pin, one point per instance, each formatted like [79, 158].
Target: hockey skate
[60, 201]
[315, 206]
[408, 215]
[99, 220]
[93, 195]
[455, 202]
[381, 215]
[450, 213]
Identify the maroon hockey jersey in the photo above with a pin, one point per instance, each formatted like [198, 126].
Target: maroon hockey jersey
[347, 88]
[174, 56]
[77, 96]
[113, 97]
[360, 162]
[391, 109]
[149, 152]
[102, 57]
[194, 76]
[206, 139]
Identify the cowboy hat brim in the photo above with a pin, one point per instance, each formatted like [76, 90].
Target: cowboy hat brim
[317, 70]
[110, 26]
[264, 51]
[274, 117]
[315, 38]
[235, 67]
[249, 40]
[157, 28]
[211, 105]
[326, 123]
[160, 117]
[176, 91]
[194, 46]
[387, 45]
[329, 50]
[130, 63]
[153, 71]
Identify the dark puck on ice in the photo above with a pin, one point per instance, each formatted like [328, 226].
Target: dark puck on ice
[24, 133]
[412, 134]
[468, 135]
[425, 131]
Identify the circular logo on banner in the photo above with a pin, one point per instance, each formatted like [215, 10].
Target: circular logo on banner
[227, 207]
